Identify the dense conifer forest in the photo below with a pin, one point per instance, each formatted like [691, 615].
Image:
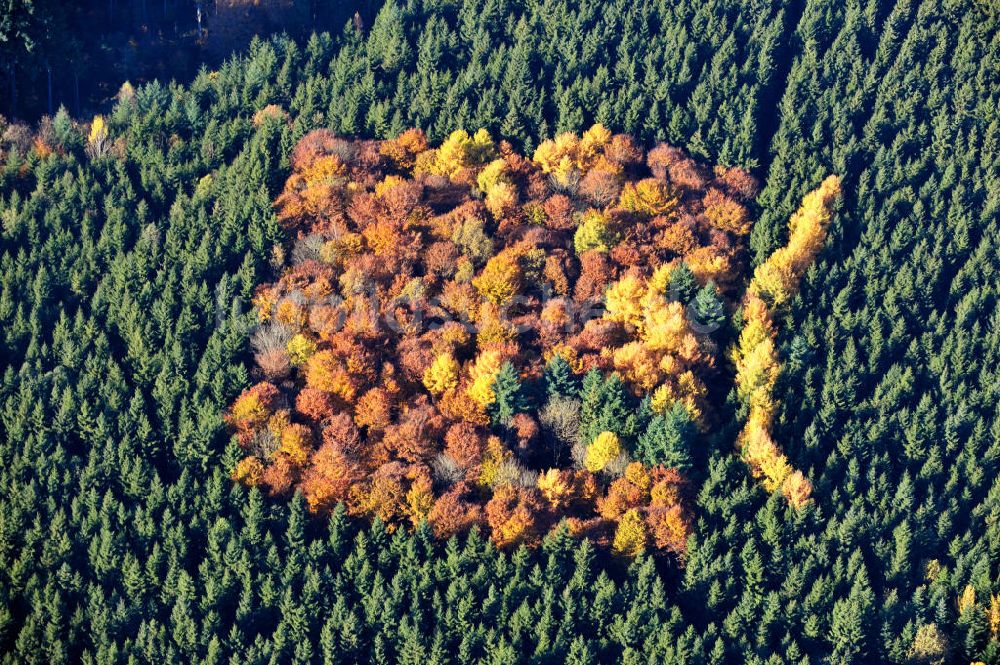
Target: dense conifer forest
[777, 441]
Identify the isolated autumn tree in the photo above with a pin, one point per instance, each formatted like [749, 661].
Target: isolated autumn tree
[604, 449]
[98, 142]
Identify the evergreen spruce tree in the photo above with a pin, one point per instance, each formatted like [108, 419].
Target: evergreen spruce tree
[667, 439]
[615, 412]
[581, 653]
[682, 284]
[590, 409]
[560, 379]
[707, 311]
[509, 398]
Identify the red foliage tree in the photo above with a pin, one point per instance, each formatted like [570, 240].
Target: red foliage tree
[465, 444]
[595, 273]
[314, 405]
[329, 479]
[454, 512]
[516, 515]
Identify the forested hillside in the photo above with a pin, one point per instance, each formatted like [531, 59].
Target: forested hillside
[132, 246]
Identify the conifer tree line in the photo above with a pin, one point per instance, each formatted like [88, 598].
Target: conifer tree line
[125, 243]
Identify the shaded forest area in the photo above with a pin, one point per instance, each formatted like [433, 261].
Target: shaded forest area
[129, 257]
[78, 54]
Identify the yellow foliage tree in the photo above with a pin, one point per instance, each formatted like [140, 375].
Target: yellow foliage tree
[482, 149]
[994, 615]
[967, 600]
[493, 327]
[726, 214]
[568, 152]
[593, 233]
[763, 456]
[482, 375]
[325, 372]
[566, 174]
[442, 375]
[665, 326]
[500, 280]
[459, 151]
[623, 301]
[637, 365]
[249, 471]
[495, 456]
[300, 348]
[551, 152]
[630, 536]
[296, 443]
[419, 500]
[659, 282]
[708, 264]
[388, 183]
[279, 422]
[291, 313]
[97, 142]
[249, 409]
[688, 395]
[777, 278]
[592, 145]
[453, 153]
[324, 171]
[501, 198]
[758, 370]
[493, 174]
[638, 475]
[650, 197]
[605, 448]
[556, 487]
[494, 181]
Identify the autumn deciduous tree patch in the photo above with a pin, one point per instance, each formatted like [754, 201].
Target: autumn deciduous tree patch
[469, 336]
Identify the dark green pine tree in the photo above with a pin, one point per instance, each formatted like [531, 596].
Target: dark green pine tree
[682, 284]
[337, 529]
[707, 312]
[973, 631]
[590, 395]
[510, 399]
[295, 538]
[559, 379]
[581, 653]
[667, 439]
[852, 618]
[615, 413]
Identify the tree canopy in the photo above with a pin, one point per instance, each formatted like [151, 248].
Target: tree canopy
[132, 247]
